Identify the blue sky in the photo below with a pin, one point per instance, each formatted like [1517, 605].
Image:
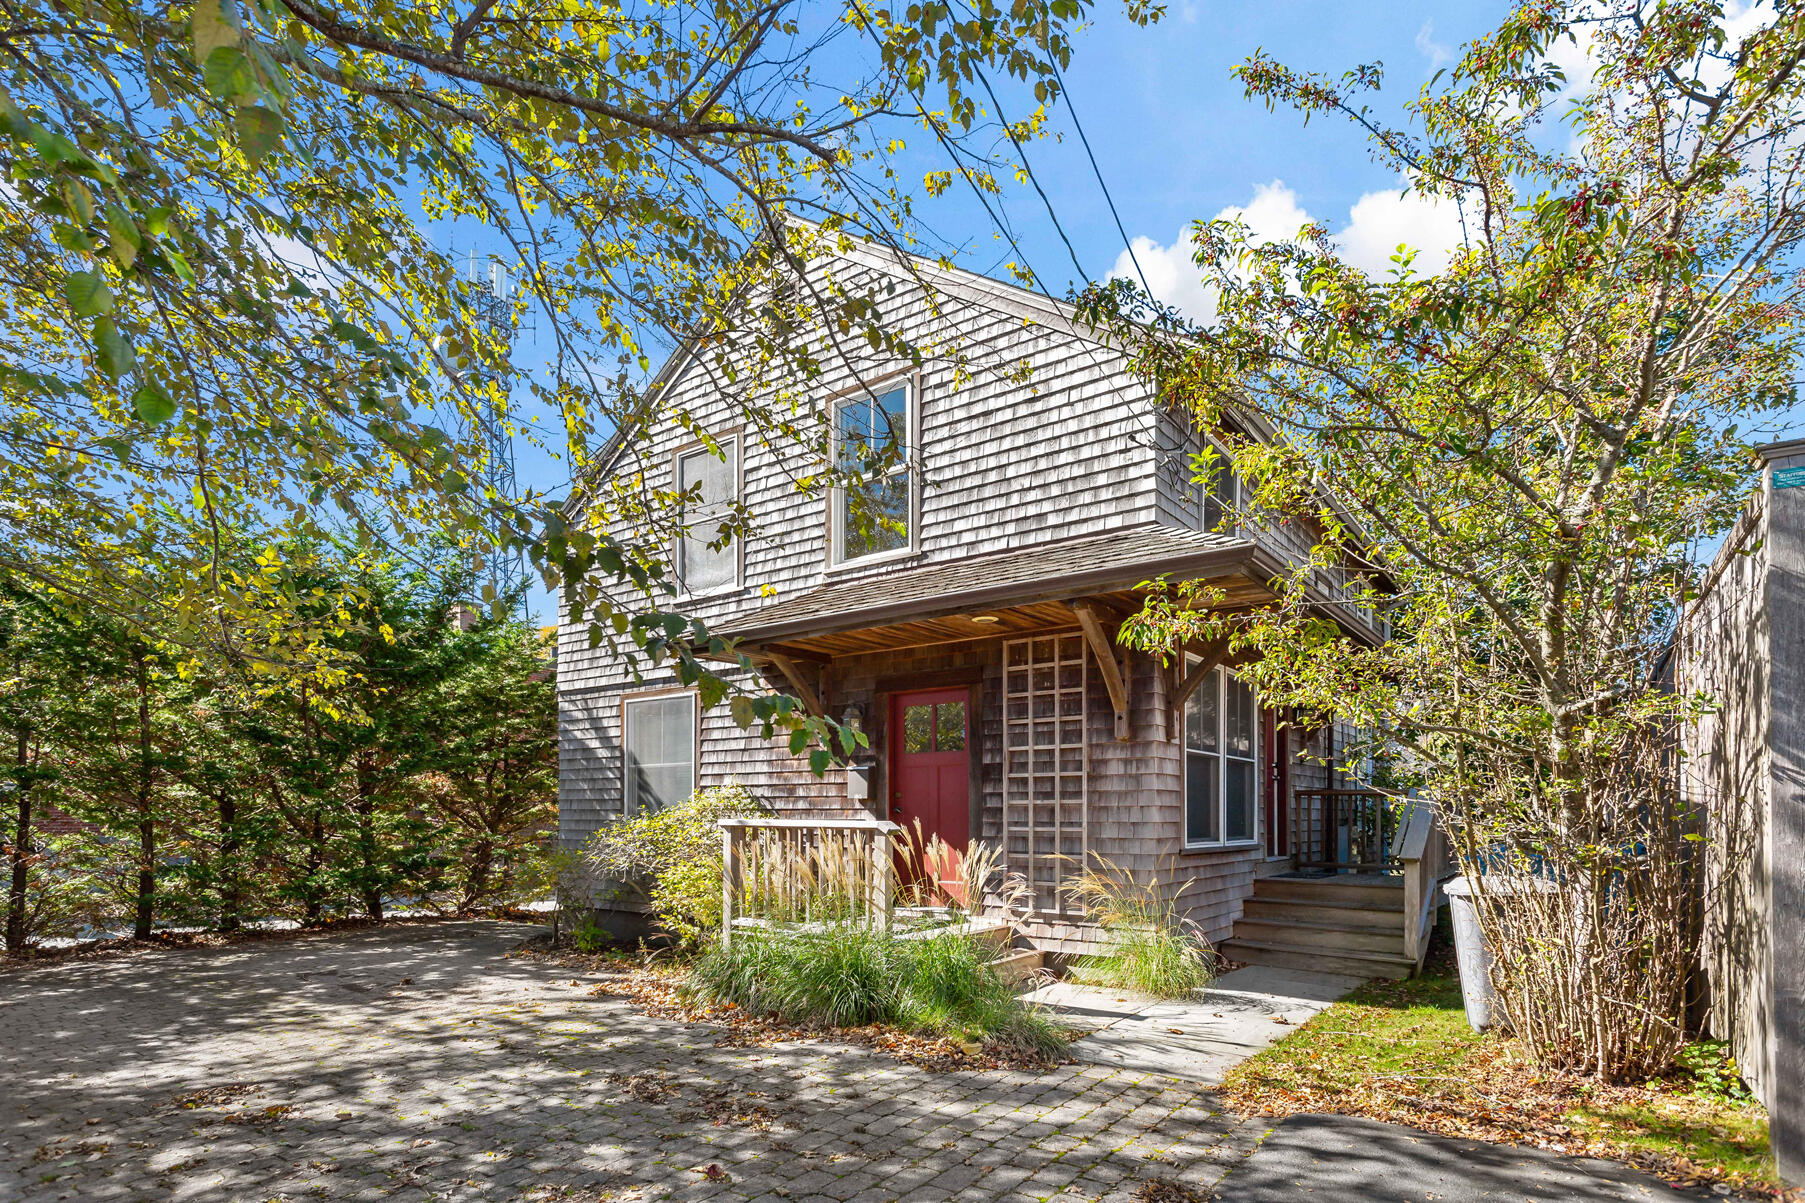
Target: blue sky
[1176, 141]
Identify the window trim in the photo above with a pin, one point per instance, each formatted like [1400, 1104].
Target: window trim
[629, 700]
[909, 380]
[732, 435]
[1219, 678]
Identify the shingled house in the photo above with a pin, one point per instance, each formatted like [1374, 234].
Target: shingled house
[972, 635]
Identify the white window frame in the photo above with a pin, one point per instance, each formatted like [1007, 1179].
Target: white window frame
[630, 804]
[739, 485]
[1219, 678]
[910, 462]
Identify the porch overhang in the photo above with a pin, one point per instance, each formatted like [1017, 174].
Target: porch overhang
[1005, 593]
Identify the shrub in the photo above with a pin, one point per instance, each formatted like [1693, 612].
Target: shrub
[1148, 948]
[67, 894]
[849, 975]
[677, 853]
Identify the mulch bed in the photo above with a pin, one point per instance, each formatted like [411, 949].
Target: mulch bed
[660, 989]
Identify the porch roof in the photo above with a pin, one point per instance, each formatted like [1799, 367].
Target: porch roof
[1050, 572]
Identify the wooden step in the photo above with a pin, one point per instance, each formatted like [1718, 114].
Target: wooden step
[1383, 895]
[1017, 964]
[1339, 914]
[1328, 937]
[1351, 962]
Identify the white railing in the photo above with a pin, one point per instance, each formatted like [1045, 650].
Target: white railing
[806, 871]
[1425, 858]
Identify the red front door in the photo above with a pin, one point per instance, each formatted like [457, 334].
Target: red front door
[930, 767]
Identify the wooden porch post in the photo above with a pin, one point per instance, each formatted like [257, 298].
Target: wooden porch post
[730, 872]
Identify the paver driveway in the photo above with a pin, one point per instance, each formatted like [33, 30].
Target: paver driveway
[421, 1063]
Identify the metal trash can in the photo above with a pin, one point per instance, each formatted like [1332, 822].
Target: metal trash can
[1470, 951]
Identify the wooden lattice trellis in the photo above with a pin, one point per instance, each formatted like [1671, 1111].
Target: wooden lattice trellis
[1046, 762]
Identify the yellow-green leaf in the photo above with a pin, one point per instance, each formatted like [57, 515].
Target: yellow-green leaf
[87, 294]
[215, 24]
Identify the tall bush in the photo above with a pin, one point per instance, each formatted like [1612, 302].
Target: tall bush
[674, 854]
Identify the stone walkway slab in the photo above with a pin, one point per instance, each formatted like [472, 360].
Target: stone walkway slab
[1194, 1040]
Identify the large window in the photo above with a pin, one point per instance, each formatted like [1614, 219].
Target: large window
[660, 746]
[1222, 779]
[709, 483]
[871, 443]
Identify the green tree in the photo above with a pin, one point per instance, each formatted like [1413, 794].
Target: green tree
[225, 301]
[1523, 450]
[35, 683]
[495, 760]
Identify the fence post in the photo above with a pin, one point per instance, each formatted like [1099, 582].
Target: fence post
[730, 871]
[880, 877]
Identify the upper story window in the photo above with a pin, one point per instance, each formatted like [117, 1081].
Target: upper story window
[871, 441]
[1222, 779]
[658, 742]
[709, 483]
[1222, 493]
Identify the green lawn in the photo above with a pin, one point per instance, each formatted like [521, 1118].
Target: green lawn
[1402, 1051]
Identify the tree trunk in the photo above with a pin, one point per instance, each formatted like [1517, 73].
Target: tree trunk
[477, 884]
[366, 841]
[316, 846]
[229, 885]
[147, 828]
[15, 900]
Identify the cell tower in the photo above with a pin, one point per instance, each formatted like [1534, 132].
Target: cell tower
[483, 423]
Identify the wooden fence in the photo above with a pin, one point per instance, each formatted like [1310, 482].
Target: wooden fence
[806, 871]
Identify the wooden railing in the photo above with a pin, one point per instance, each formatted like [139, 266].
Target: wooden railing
[1425, 857]
[1344, 829]
[806, 871]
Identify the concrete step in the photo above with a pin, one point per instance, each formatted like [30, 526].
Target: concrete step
[1337, 914]
[1017, 964]
[1384, 895]
[1350, 962]
[1327, 937]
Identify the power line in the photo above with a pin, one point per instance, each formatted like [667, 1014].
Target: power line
[1065, 91]
[1028, 170]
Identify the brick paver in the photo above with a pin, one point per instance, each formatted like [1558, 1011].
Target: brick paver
[421, 1063]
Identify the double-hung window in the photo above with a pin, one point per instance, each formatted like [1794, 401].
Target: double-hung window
[1221, 492]
[1222, 779]
[706, 559]
[659, 741]
[872, 513]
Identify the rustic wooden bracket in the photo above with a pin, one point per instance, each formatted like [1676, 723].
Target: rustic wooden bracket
[806, 691]
[1114, 664]
[1184, 684]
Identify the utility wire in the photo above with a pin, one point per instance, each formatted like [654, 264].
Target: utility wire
[1022, 152]
[1066, 92]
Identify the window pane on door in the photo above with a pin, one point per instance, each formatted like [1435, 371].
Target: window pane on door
[1240, 799]
[918, 728]
[1202, 799]
[660, 741]
[949, 727]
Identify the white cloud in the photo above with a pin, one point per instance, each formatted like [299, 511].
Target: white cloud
[1439, 54]
[1380, 221]
[1172, 275]
[1376, 224]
